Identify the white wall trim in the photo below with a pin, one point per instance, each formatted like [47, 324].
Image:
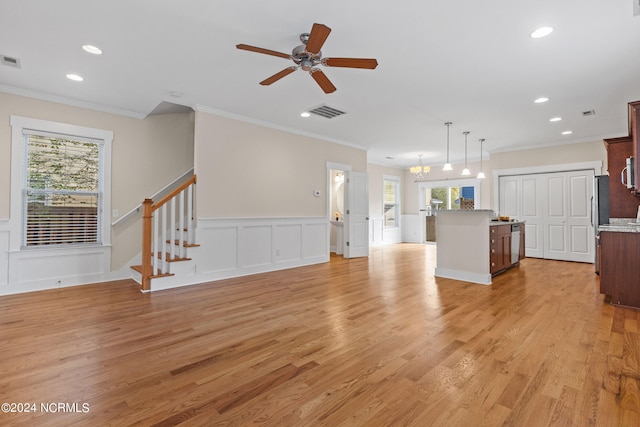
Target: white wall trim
[236, 247]
[465, 276]
[71, 102]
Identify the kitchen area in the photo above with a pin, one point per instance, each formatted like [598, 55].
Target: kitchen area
[617, 216]
[474, 245]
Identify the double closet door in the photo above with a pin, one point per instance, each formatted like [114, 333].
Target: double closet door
[556, 208]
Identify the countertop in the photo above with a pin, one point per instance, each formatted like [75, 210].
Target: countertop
[621, 228]
[492, 223]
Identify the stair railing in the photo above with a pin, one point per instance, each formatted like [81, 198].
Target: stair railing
[167, 230]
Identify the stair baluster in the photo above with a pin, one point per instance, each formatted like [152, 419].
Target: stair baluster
[155, 254]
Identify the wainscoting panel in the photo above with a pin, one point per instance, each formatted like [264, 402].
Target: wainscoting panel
[315, 241]
[38, 269]
[255, 245]
[4, 256]
[233, 247]
[222, 248]
[287, 244]
[376, 227]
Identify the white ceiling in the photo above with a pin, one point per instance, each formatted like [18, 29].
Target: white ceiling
[469, 62]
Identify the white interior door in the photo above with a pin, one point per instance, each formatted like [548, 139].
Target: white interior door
[531, 214]
[556, 210]
[555, 218]
[357, 215]
[519, 199]
[568, 230]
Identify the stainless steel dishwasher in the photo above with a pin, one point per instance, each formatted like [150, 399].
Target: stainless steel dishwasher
[515, 243]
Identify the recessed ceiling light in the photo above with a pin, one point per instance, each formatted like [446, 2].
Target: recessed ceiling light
[305, 114]
[75, 77]
[567, 132]
[555, 119]
[92, 49]
[541, 100]
[541, 32]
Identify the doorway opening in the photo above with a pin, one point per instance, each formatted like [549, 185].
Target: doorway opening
[444, 195]
[337, 212]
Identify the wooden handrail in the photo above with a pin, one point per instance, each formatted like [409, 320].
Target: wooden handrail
[174, 193]
[149, 229]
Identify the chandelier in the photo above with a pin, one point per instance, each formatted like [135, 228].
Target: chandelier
[419, 171]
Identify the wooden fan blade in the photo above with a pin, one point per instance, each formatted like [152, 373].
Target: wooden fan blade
[262, 50]
[317, 37]
[322, 80]
[277, 76]
[351, 62]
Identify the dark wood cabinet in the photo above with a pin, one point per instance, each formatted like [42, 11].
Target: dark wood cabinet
[500, 247]
[620, 267]
[622, 202]
[634, 133]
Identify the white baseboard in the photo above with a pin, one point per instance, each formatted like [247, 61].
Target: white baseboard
[465, 276]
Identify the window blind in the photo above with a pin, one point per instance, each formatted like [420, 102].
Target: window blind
[61, 191]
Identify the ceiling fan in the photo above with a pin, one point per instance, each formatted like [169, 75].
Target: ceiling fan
[308, 57]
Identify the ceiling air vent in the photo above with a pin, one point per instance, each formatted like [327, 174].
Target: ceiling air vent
[327, 112]
[588, 113]
[11, 62]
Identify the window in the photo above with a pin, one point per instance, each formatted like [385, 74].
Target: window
[391, 204]
[60, 185]
[61, 190]
[454, 197]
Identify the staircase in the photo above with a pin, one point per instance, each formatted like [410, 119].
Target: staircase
[167, 238]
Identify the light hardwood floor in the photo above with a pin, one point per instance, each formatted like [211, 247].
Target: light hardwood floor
[374, 342]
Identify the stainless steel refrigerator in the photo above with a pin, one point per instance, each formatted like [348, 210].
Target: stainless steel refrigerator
[599, 210]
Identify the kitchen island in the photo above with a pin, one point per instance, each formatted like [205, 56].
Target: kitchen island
[473, 248]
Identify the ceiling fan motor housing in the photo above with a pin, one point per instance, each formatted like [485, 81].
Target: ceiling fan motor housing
[305, 59]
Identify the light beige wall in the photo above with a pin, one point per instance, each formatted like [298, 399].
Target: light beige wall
[560, 154]
[252, 171]
[544, 156]
[147, 155]
[376, 174]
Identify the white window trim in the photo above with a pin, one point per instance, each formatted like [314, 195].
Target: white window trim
[18, 125]
[398, 181]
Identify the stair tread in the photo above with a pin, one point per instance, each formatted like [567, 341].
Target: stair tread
[138, 268]
[176, 259]
[185, 244]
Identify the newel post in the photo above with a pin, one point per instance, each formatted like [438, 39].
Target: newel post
[147, 215]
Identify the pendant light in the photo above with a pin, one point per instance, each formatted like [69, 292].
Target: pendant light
[447, 166]
[466, 170]
[481, 173]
